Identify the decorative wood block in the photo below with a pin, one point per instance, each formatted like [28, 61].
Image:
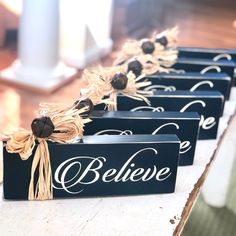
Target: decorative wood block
[129, 123]
[191, 81]
[101, 166]
[209, 105]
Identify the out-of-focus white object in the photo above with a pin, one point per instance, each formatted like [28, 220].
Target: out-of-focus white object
[85, 30]
[38, 64]
[14, 6]
[216, 186]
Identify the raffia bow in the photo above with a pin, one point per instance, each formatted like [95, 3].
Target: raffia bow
[165, 56]
[171, 35]
[100, 78]
[96, 88]
[68, 126]
[150, 65]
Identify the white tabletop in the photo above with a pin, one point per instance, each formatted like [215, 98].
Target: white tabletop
[133, 215]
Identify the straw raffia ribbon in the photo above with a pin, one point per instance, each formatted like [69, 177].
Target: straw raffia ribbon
[67, 127]
[99, 78]
[165, 56]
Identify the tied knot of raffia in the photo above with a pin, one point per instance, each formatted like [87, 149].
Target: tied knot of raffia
[133, 89]
[61, 127]
[113, 81]
[23, 142]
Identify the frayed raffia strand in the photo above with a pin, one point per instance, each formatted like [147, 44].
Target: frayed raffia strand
[130, 49]
[165, 55]
[52, 108]
[113, 106]
[55, 109]
[43, 189]
[135, 88]
[69, 125]
[166, 58]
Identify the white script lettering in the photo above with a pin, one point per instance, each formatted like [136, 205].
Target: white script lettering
[160, 87]
[205, 123]
[94, 167]
[185, 146]
[197, 85]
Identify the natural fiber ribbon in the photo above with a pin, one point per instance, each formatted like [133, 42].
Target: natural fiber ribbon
[171, 34]
[100, 78]
[68, 126]
[166, 56]
[151, 65]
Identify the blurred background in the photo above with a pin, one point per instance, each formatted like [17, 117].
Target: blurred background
[201, 23]
[93, 32]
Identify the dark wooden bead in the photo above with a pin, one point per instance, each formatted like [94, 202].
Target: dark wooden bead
[119, 81]
[42, 127]
[85, 103]
[162, 40]
[148, 47]
[136, 67]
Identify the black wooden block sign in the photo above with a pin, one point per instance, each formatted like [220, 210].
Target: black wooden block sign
[191, 81]
[203, 65]
[129, 123]
[215, 54]
[207, 103]
[102, 166]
